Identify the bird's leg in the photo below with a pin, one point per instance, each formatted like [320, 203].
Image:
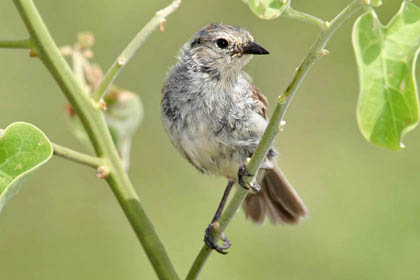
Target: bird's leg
[208, 236]
[243, 172]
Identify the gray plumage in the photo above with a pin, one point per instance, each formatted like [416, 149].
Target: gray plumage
[215, 116]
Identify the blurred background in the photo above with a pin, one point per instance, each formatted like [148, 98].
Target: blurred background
[66, 224]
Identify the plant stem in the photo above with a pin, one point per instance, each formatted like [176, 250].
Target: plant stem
[133, 46]
[292, 13]
[100, 137]
[316, 51]
[21, 44]
[78, 157]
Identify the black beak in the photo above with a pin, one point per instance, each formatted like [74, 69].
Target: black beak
[253, 48]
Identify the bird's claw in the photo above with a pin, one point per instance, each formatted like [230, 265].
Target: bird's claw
[243, 172]
[208, 239]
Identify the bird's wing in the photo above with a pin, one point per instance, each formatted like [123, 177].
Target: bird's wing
[262, 101]
[257, 95]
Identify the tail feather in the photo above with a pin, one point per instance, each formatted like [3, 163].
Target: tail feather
[277, 214]
[255, 208]
[277, 200]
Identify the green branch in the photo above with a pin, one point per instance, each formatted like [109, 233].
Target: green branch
[95, 125]
[292, 13]
[316, 51]
[133, 46]
[21, 44]
[78, 157]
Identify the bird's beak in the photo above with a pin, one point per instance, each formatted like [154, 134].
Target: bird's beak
[253, 48]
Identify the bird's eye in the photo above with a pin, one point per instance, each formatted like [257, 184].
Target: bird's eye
[222, 43]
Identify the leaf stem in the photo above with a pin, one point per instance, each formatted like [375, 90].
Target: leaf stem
[78, 157]
[72, 155]
[301, 16]
[133, 46]
[95, 125]
[18, 44]
[315, 52]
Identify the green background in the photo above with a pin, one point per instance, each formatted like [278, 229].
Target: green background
[66, 224]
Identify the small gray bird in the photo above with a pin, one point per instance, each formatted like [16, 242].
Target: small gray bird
[215, 116]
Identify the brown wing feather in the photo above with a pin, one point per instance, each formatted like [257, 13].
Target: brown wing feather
[261, 100]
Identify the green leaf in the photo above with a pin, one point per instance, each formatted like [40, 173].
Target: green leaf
[388, 103]
[23, 148]
[267, 9]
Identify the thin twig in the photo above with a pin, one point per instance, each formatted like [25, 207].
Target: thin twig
[298, 15]
[157, 21]
[18, 44]
[316, 51]
[78, 157]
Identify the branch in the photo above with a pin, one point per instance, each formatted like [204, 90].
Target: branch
[78, 157]
[95, 125]
[131, 49]
[21, 44]
[316, 52]
[292, 13]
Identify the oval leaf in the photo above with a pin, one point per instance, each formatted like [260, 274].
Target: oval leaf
[23, 148]
[388, 104]
[267, 9]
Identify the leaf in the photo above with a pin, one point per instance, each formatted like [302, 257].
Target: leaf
[267, 9]
[388, 104]
[23, 148]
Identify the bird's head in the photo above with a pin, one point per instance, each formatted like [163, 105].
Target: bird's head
[222, 50]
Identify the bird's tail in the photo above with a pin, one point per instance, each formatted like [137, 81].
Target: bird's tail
[277, 200]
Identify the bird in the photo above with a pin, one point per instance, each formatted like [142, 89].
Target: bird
[215, 117]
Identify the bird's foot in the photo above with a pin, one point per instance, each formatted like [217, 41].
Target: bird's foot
[243, 172]
[208, 239]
